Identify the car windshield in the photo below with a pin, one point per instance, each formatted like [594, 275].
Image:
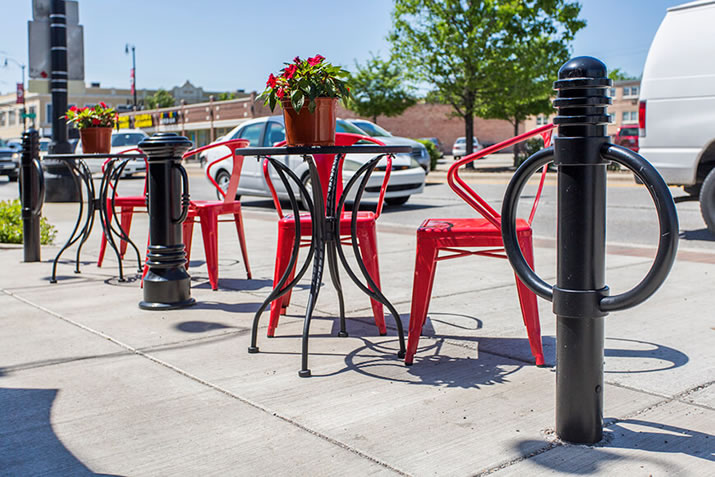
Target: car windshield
[343, 126]
[126, 139]
[372, 129]
[629, 132]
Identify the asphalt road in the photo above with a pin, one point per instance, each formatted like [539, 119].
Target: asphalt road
[631, 218]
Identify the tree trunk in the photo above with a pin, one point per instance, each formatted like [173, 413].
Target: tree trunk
[469, 126]
[517, 146]
[374, 119]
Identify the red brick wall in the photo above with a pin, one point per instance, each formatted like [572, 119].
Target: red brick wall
[435, 120]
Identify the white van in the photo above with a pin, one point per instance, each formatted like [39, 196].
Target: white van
[676, 113]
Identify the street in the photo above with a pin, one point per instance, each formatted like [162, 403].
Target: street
[631, 218]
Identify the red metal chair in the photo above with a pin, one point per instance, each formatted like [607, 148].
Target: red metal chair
[453, 235]
[127, 205]
[207, 213]
[366, 231]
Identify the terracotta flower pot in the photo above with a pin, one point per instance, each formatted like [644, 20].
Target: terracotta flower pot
[96, 140]
[304, 128]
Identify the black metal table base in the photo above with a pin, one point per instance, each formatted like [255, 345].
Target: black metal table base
[82, 177]
[325, 243]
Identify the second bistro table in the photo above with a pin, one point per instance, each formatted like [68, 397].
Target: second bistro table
[325, 222]
[82, 176]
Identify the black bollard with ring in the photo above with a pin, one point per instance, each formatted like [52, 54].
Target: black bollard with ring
[167, 285]
[32, 194]
[580, 297]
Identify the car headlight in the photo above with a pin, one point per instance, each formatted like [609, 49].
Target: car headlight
[16, 157]
[414, 163]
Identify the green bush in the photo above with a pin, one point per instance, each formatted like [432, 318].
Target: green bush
[433, 152]
[530, 147]
[11, 224]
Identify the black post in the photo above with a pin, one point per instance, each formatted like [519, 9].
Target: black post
[166, 284]
[60, 184]
[580, 284]
[32, 195]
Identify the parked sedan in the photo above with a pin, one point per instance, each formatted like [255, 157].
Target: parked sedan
[419, 151]
[9, 162]
[460, 147]
[407, 175]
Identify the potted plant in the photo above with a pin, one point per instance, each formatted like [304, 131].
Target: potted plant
[308, 91]
[95, 125]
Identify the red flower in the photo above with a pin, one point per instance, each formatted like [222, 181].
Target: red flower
[296, 59]
[316, 60]
[96, 121]
[102, 104]
[271, 83]
[74, 109]
[289, 71]
[280, 93]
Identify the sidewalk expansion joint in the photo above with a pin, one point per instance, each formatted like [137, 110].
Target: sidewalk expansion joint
[215, 387]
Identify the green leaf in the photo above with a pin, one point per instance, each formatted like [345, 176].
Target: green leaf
[272, 101]
[297, 99]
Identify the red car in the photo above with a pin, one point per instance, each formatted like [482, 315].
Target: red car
[627, 136]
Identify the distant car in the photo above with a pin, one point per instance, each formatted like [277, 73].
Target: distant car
[460, 147]
[407, 175]
[437, 143]
[419, 151]
[122, 140]
[44, 146]
[9, 162]
[627, 136]
[14, 143]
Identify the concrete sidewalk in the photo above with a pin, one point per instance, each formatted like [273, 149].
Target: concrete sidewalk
[91, 385]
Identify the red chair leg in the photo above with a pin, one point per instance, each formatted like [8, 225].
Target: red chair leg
[209, 225]
[103, 240]
[367, 238]
[238, 218]
[286, 297]
[187, 230]
[285, 247]
[425, 266]
[126, 222]
[529, 306]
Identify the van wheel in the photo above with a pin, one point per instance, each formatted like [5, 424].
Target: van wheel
[707, 201]
[693, 190]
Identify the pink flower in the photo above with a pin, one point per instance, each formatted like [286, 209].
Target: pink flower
[289, 71]
[316, 60]
[102, 104]
[271, 83]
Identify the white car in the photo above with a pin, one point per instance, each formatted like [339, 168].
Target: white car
[460, 147]
[419, 151]
[122, 140]
[407, 175]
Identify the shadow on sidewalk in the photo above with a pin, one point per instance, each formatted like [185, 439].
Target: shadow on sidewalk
[29, 444]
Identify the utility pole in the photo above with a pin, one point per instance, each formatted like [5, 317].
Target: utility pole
[134, 72]
[22, 67]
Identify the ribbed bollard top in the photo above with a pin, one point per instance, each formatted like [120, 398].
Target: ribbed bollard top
[165, 145]
[581, 99]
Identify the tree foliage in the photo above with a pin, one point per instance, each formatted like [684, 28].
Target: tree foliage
[160, 99]
[617, 74]
[492, 58]
[378, 88]
[226, 96]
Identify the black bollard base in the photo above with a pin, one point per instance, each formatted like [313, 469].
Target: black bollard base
[167, 289]
[60, 186]
[31, 248]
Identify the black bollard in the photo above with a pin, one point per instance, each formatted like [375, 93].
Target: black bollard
[167, 285]
[32, 194]
[580, 297]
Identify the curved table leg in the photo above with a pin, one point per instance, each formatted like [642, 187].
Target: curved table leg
[331, 239]
[86, 176]
[71, 165]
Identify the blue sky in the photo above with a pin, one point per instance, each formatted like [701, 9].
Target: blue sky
[226, 45]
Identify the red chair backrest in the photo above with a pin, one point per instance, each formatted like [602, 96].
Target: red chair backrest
[475, 200]
[324, 164]
[134, 149]
[230, 194]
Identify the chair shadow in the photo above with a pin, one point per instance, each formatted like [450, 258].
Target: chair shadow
[30, 445]
[242, 307]
[235, 284]
[636, 434]
[701, 234]
[655, 352]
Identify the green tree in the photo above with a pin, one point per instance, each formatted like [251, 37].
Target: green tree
[472, 51]
[226, 95]
[378, 88]
[617, 74]
[160, 99]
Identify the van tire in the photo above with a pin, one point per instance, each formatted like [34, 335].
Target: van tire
[707, 201]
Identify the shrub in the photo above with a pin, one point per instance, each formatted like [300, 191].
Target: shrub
[433, 152]
[11, 224]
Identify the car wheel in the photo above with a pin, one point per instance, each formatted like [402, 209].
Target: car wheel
[13, 178]
[707, 201]
[693, 190]
[397, 200]
[222, 179]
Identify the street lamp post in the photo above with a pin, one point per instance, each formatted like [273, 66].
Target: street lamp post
[134, 72]
[22, 67]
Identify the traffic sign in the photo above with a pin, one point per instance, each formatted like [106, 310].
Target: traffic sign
[28, 115]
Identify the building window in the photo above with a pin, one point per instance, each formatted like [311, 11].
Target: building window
[612, 92]
[634, 116]
[630, 91]
[612, 118]
[630, 116]
[2, 119]
[48, 113]
[634, 90]
[538, 120]
[11, 117]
